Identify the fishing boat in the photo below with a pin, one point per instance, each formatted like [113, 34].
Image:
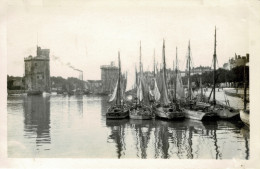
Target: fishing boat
[245, 113]
[166, 109]
[140, 109]
[223, 111]
[118, 110]
[193, 109]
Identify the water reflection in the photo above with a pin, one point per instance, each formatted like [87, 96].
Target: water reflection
[142, 133]
[37, 119]
[246, 134]
[76, 126]
[117, 134]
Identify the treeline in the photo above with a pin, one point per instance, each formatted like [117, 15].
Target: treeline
[236, 75]
[70, 83]
[17, 83]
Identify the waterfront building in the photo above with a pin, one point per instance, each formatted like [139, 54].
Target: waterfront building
[109, 76]
[37, 71]
[236, 61]
[95, 86]
[196, 70]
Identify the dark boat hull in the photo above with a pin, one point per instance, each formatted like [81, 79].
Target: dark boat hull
[226, 113]
[167, 113]
[200, 115]
[140, 114]
[117, 113]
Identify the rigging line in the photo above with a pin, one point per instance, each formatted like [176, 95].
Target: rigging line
[217, 62]
[212, 62]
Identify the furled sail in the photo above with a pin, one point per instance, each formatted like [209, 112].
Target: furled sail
[140, 95]
[112, 98]
[164, 96]
[119, 90]
[164, 93]
[155, 93]
[179, 87]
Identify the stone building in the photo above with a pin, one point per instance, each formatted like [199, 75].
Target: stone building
[238, 60]
[37, 71]
[109, 76]
[95, 86]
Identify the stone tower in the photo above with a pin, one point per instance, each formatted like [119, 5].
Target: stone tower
[37, 71]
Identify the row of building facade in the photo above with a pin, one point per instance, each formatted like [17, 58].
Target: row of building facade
[236, 61]
[37, 73]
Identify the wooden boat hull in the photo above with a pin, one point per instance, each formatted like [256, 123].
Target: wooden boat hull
[140, 114]
[117, 113]
[169, 113]
[199, 115]
[227, 113]
[244, 116]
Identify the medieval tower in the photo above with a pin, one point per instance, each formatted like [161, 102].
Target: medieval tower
[37, 71]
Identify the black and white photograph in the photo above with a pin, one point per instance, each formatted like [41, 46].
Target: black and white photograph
[126, 80]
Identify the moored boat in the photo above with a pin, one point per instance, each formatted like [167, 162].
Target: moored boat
[245, 113]
[166, 109]
[244, 116]
[199, 114]
[118, 110]
[140, 113]
[196, 110]
[140, 109]
[223, 111]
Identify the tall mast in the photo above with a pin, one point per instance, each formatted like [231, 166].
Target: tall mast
[141, 68]
[118, 98]
[140, 61]
[214, 72]
[189, 85]
[176, 71]
[164, 63]
[201, 90]
[244, 85]
[154, 62]
[136, 77]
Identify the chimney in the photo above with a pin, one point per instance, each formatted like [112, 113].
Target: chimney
[247, 57]
[38, 52]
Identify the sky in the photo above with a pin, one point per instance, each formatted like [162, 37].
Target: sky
[88, 34]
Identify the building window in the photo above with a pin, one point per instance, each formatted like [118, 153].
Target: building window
[38, 77]
[35, 64]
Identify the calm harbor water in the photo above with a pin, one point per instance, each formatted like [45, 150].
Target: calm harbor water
[75, 126]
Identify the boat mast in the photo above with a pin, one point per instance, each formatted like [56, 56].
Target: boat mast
[118, 98]
[140, 68]
[214, 72]
[176, 71]
[154, 62]
[201, 89]
[245, 85]
[189, 85]
[140, 59]
[164, 65]
[136, 77]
